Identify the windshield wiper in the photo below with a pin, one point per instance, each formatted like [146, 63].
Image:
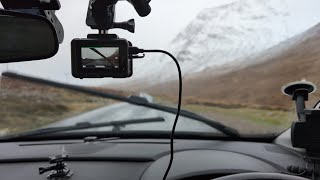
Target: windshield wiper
[82, 125]
[131, 100]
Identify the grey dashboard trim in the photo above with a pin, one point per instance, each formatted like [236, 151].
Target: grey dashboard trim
[192, 162]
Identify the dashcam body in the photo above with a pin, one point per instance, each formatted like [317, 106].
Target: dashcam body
[105, 55]
[101, 56]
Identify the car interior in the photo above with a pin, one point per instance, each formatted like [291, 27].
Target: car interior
[138, 136]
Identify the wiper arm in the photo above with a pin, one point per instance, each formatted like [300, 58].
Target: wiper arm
[79, 126]
[131, 100]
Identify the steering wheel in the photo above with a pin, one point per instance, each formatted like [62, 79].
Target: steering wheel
[260, 176]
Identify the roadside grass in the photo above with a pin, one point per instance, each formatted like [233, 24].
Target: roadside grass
[262, 116]
[22, 114]
[25, 106]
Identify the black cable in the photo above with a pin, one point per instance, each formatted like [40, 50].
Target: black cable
[179, 106]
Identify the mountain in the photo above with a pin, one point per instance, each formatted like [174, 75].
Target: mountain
[259, 84]
[230, 32]
[220, 35]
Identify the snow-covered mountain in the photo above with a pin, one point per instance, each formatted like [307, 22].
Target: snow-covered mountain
[224, 34]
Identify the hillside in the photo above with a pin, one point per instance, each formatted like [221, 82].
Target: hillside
[25, 106]
[257, 85]
[216, 36]
[237, 30]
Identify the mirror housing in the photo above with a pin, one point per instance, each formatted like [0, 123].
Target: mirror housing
[26, 37]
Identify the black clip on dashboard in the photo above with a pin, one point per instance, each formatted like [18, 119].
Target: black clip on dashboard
[59, 171]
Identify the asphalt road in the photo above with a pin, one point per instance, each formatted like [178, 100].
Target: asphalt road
[124, 111]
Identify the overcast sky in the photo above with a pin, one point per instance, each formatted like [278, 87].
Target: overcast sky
[167, 19]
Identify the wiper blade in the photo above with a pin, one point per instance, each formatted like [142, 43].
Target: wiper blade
[83, 125]
[131, 100]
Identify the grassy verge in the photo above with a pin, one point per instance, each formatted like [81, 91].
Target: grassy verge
[259, 116]
[247, 120]
[25, 106]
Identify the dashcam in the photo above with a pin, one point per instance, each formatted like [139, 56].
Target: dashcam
[100, 58]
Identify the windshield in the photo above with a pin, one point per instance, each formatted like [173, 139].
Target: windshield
[235, 56]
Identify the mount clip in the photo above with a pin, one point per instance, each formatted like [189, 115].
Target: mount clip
[59, 171]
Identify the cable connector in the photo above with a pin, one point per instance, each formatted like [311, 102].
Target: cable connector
[135, 51]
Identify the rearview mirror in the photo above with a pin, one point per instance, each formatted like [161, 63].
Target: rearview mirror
[26, 37]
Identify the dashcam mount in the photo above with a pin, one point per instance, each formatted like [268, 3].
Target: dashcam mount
[101, 16]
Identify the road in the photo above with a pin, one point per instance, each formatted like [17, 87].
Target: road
[124, 111]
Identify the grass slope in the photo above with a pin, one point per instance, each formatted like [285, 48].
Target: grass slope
[25, 105]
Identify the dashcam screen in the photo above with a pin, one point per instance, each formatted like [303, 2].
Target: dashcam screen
[100, 57]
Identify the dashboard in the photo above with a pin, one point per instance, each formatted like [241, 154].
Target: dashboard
[146, 159]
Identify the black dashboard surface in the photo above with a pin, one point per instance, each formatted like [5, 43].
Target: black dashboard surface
[123, 159]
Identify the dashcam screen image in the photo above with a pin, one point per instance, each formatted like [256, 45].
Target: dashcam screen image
[100, 57]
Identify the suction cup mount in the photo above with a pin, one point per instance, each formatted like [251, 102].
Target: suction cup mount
[305, 132]
[299, 91]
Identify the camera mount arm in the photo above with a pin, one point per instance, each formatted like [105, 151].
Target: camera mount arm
[141, 6]
[299, 91]
[101, 14]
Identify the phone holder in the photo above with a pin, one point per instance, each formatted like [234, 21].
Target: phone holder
[305, 131]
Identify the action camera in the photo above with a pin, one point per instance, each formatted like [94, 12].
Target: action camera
[105, 55]
[100, 58]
